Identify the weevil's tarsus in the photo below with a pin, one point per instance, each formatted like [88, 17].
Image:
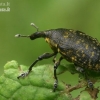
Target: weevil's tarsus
[23, 75]
[90, 84]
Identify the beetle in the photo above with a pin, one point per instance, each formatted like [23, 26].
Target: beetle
[74, 46]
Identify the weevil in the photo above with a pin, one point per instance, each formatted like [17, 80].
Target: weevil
[74, 46]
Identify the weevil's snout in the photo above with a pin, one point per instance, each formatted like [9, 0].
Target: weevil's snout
[37, 35]
[34, 36]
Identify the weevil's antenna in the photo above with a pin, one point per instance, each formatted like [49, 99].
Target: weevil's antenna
[19, 35]
[32, 24]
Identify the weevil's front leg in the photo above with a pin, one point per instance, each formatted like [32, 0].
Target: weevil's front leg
[57, 63]
[43, 56]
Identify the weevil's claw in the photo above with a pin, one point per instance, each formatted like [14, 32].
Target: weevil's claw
[90, 84]
[23, 75]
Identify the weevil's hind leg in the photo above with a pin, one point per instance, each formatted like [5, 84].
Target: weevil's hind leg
[43, 56]
[81, 70]
[56, 64]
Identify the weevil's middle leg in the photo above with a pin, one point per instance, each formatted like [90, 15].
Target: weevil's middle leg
[43, 56]
[57, 63]
[54, 59]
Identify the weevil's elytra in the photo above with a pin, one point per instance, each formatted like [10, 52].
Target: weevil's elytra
[74, 46]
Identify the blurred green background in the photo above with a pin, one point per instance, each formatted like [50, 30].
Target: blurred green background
[83, 15]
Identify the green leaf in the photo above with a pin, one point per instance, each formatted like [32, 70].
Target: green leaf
[37, 85]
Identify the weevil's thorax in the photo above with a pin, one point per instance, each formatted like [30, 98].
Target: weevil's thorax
[53, 38]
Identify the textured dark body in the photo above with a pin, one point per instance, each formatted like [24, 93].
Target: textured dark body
[76, 47]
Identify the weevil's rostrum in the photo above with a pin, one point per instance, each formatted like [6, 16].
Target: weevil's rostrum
[74, 46]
